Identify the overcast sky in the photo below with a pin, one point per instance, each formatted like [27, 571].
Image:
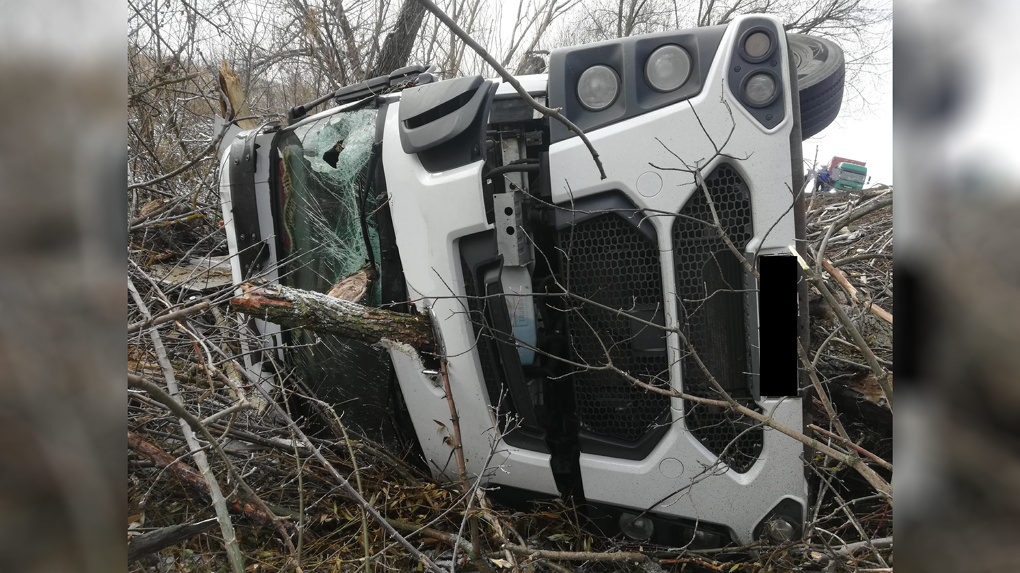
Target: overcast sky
[862, 131]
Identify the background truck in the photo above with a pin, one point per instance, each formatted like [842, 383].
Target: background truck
[849, 176]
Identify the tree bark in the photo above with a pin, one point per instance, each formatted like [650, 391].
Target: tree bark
[318, 312]
[232, 96]
[397, 47]
[165, 537]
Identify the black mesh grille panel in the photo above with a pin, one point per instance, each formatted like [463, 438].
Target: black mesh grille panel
[710, 281]
[608, 261]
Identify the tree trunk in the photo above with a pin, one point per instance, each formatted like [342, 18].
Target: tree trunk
[400, 40]
[290, 307]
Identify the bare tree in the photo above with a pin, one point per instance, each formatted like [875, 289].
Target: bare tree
[400, 41]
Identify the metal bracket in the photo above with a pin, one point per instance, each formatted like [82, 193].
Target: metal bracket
[510, 240]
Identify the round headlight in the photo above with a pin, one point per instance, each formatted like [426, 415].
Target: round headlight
[636, 527]
[760, 89]
[668, 68]
[757, 46]
[598, 87]
[780, 530]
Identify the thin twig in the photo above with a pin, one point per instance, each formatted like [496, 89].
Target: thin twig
[344, 483]
[198, 158]
[230, 543]
[174, 315]
[881, 374]
[843, 221]
[458, 446]
[848, 443]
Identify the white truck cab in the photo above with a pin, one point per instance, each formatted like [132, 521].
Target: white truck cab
[552, 289]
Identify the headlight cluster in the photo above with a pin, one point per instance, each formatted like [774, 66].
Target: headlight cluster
[761, 87]
[667, 69]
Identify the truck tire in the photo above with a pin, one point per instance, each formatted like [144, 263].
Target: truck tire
[820, 75]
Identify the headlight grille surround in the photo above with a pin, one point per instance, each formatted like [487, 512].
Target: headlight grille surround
[627, 56]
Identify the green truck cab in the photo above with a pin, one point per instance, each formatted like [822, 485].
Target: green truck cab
[849, 176]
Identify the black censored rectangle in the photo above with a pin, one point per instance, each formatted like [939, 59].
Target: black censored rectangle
[777, 325]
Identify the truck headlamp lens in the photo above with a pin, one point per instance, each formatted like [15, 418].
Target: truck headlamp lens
[757, 45]
[598, 87]
[636, 527]
[668, 68]
[760, 89]
[779, 530]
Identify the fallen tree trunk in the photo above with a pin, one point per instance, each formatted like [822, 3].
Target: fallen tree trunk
[291, 307]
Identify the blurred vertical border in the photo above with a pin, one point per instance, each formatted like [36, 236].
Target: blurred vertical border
[63, 296]
[958, 285]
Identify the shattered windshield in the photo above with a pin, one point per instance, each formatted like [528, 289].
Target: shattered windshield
[325, 201]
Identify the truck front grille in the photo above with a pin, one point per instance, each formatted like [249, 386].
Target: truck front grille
[608, 261]
[712, 311]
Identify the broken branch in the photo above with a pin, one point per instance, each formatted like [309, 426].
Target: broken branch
[180, 313]
[844, 282]
[318, 312]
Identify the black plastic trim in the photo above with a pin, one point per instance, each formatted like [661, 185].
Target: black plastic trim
[516, 497]
[616, 96]
[433, 114]
[251, 249]
[501, 366]
[393, 286]
[599, 445]
[671, 531]
[643, 343]
[775, 95]
[788, 508]
[466, 142]
[361, 90]
[682, 84]
[743, 67]
[502, 331]
[616, 202]
[407, 72]
[511, 108]
[720, 327]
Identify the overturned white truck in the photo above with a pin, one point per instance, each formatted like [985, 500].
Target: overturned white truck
[551, 289]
